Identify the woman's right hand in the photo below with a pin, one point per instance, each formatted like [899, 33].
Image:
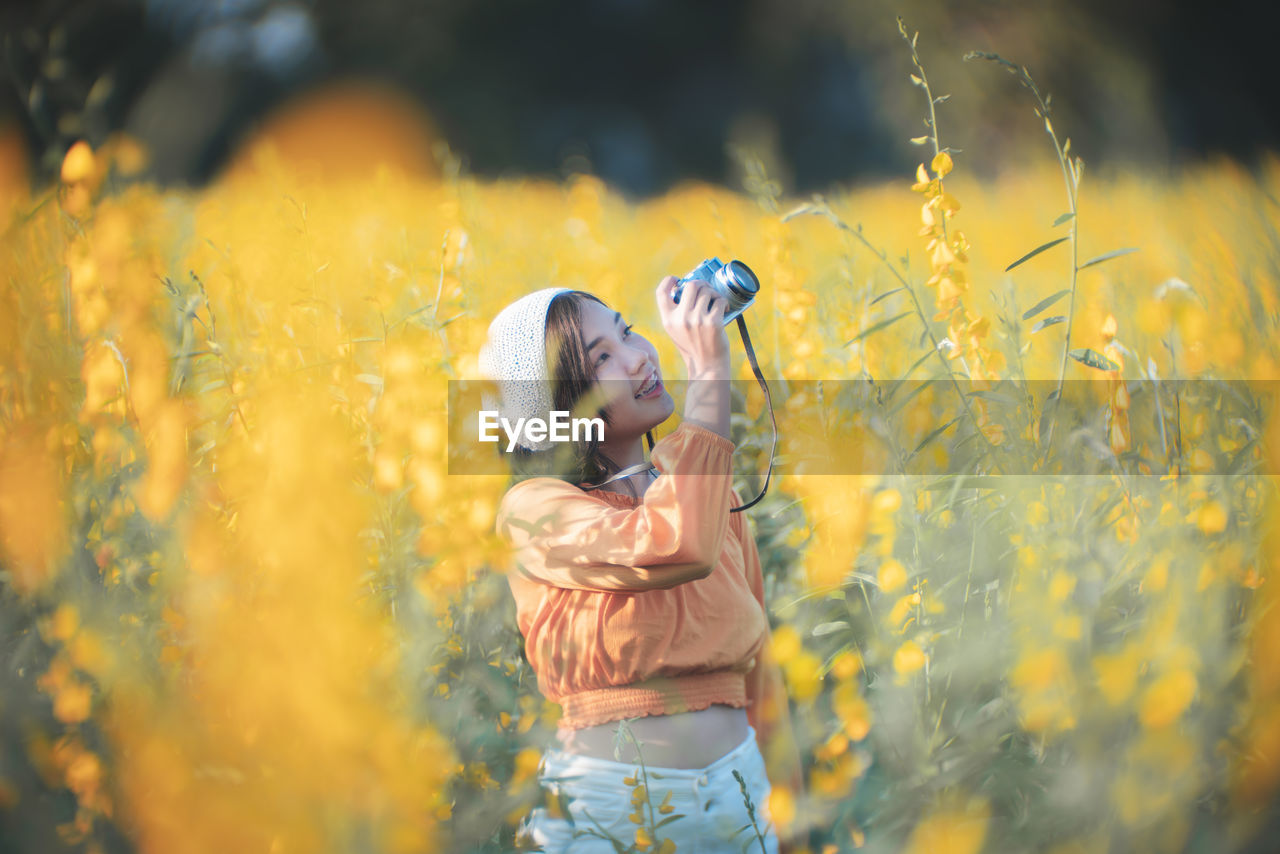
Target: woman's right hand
[696, 325]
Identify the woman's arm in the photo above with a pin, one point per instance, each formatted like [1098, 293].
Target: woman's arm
[696, 327]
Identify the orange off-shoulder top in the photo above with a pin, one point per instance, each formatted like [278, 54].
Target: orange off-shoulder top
[633, 607]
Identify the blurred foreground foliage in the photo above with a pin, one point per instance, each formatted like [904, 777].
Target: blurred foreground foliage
[245, 608]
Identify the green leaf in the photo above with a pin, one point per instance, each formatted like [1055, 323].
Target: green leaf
[1043, 304]
[886, 294]
[1107, 256]
[457, 316]
[875, 328]
[918, 140]
[1242, 457]
[668, 820]
[1060, 220]
[828, 628]
[930, 353]
[935, 434]
[1048, 321]
[1093, 359]
[898, 404]
[799, 211]
[1034, 252]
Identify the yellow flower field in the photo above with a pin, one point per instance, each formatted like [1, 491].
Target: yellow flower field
[245, 607]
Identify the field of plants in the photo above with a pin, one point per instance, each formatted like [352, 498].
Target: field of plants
[245, 607]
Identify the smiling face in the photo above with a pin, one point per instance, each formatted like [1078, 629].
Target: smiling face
[626, 367]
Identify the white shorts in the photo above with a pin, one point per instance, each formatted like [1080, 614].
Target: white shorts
[709, 799]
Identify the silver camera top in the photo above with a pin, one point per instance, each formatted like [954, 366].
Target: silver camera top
[735, 282]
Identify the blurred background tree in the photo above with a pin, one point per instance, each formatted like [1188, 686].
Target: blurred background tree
[643, 93]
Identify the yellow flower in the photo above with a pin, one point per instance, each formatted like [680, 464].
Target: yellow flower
[65, 620]
[887, 501]
[1116, 675]
[846, 665]
[1212, 518]
[786, 644]
[1061, 586]
[802, 676]
[1039, 669]
[1109, 328]
[72, 702]
[1157, 577]
[952, 830]
[909, 658]
[526, 765]
[922, 183]
[851, 708]
[891, 576]
[782, 806]
[902, 608]
[79, 164]
[942, 164]
[1167, 698]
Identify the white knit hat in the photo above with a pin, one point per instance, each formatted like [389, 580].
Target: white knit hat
[515, 358]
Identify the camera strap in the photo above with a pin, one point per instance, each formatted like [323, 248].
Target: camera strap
[755, 368]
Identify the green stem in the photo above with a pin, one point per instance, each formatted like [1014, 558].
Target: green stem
[933, 113]
[1071, 178]
[821, 207]
[644, 775]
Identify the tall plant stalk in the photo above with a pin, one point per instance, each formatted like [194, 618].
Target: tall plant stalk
[819, 206]
[1071, 172]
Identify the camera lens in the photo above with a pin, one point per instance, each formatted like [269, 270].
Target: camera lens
[738, 279]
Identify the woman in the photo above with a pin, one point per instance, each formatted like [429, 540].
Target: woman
[638, 593]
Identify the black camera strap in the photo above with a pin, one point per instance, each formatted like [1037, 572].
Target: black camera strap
[755, 368]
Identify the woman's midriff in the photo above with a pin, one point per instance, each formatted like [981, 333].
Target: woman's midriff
[685, 740]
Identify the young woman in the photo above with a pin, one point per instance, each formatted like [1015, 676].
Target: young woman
[638, 593]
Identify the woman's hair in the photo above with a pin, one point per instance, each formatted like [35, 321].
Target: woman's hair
[572, 377]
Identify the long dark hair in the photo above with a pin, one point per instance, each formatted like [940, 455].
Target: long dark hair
[572, 377]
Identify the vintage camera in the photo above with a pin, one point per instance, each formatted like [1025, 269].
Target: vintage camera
[733, 281]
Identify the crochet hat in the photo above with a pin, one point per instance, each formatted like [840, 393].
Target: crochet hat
[515, 358]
